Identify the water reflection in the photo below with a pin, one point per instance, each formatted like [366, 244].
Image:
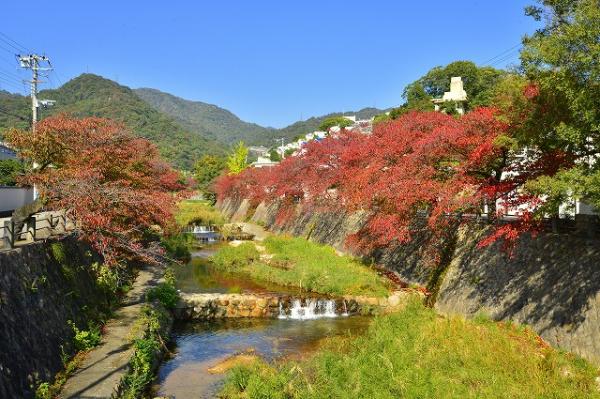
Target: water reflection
[203, 345]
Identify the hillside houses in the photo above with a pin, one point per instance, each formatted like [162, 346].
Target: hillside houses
[364, 126]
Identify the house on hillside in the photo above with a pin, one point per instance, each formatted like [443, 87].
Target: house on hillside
[262, 162]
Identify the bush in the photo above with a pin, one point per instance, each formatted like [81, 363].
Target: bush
[146, 351]
[85, 340]
[197, 212]
[165, 293]
[178, 246]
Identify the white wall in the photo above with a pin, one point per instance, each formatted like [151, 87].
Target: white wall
[14, 197]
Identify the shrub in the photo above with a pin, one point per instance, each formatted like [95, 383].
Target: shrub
[178, 246]
[197, 212]
[165, 293]
[85, 340]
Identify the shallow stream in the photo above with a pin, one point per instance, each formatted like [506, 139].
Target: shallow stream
[201, 345]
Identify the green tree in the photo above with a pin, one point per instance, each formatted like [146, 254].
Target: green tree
[562, 59]
[237, 160]
[274, 155]
[9, 170]
[478, 83]
[206, 170]
[335, 121]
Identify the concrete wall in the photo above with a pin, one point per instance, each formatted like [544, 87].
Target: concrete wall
[12, 198]
[38, 294]
[552, 282]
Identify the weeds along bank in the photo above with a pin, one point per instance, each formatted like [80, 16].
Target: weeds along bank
[50, 293]
[417, 354]
[551, 283]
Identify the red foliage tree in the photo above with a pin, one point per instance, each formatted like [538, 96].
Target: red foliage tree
[111, 183]
[423, 166]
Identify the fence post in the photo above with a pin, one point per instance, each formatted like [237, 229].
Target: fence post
[33, 226]
[9, 227]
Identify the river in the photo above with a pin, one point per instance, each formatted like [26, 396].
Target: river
[199, 346]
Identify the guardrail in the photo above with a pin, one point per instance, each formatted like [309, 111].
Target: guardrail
[37, 227]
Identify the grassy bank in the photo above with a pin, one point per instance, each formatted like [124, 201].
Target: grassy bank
[197, 212]
[300, 263]
[418, 354]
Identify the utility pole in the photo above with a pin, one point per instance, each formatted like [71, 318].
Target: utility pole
[281, 148]
[33, 61]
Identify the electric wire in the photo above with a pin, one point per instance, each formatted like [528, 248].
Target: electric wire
[502, 54]
[16, 45]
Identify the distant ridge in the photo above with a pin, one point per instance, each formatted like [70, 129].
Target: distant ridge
[183, 130]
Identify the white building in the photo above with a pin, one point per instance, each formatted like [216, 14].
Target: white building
[457, 94]
[262, 162]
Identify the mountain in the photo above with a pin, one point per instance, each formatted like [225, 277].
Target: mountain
[183, 130]
[206, 119]
[92, 95]
[225, 127]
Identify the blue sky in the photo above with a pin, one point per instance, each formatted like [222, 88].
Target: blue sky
[269, 62]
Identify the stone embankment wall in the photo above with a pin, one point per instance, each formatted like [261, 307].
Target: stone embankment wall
[42, 286]
[219, 306]
[551, 282]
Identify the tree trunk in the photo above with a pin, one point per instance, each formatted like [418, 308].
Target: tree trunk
[20, 215]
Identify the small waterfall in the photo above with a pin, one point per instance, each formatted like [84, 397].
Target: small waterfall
[345, 308]
[311, 309]
[203, 229]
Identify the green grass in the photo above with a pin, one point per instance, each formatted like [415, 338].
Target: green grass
[418, 354]
[300, 263]
[197, 212]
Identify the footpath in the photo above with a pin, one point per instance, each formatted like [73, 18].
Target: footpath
[100, 374]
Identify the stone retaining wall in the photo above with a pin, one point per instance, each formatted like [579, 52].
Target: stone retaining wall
[551, 283]
[42, 286]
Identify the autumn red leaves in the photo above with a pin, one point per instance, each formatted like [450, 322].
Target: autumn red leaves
[425, 166]
[112, 184]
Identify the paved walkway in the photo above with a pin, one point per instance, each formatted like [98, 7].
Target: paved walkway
[103, 368]
[259, 232]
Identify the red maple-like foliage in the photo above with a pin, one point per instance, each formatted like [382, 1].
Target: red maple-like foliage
[112, 184]
[425, 169]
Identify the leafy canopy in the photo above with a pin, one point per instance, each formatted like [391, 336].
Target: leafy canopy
[113, 184]
[335, 121]
[10, 169]
[206, 170]
[237, 160]
[562, 59]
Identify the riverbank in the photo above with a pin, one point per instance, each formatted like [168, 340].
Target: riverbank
[296, 262]
[417, 354]
[551, 282]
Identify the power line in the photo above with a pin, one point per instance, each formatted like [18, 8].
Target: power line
[502, 54]
[16, 45]
[10, 76]
[8, 82]
[11, 52]
[507, 57]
